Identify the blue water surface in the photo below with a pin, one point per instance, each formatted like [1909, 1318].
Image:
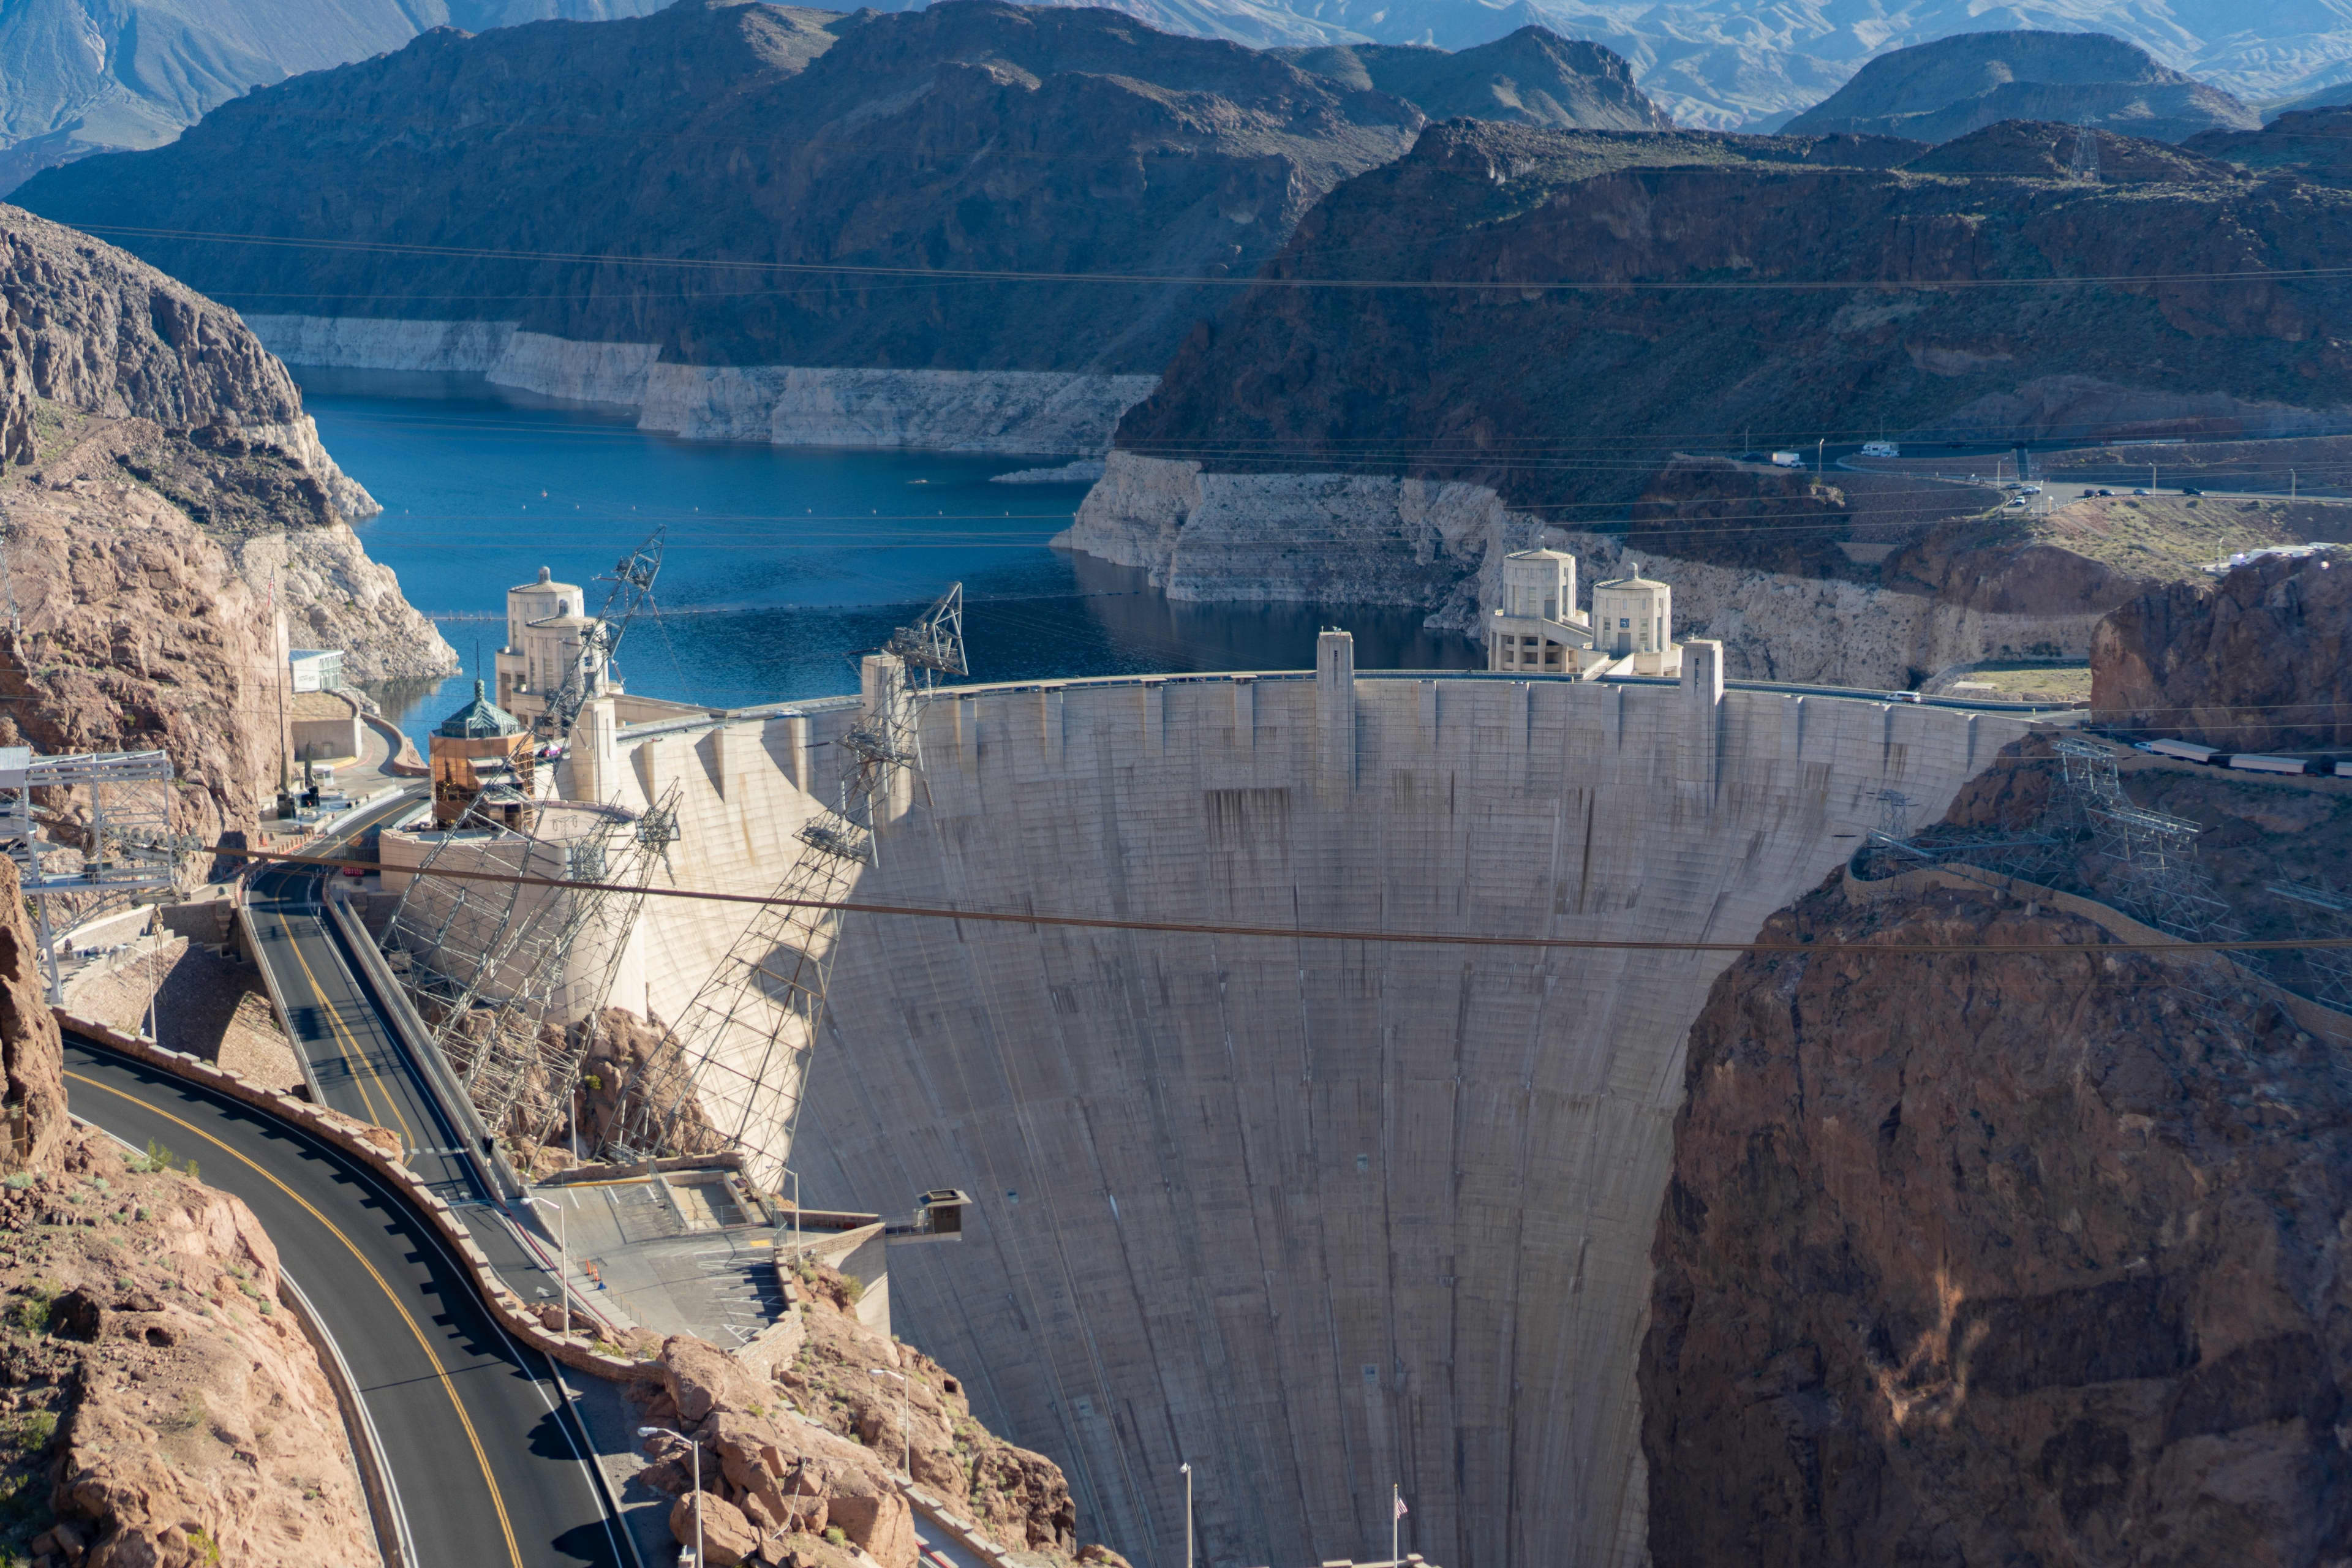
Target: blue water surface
[782, 564]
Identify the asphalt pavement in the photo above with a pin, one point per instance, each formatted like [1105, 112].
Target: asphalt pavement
[482, 1450]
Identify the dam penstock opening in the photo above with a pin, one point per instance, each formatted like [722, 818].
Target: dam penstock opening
[1315, 1215]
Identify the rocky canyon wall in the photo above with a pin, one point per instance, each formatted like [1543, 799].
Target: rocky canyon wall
[1008, 410]
[1437, 545]
[1997, 1257]
[2251, 661]
[124, 389]
[1312, 1213]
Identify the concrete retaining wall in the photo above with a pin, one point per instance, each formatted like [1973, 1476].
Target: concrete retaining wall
[349, 1138]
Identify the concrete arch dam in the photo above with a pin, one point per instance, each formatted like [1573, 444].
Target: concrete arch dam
[1315, 1215]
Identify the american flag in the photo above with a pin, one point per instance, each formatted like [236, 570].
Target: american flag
[1401, 1509]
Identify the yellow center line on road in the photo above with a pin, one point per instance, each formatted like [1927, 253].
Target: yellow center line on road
[351, 1049]
[497, 1501]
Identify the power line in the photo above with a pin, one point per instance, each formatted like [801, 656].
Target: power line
[1439, 285]
[1298, 933]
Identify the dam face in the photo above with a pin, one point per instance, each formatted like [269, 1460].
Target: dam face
[1313, 1214]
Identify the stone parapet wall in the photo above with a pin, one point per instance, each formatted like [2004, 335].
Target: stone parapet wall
[352, 1139]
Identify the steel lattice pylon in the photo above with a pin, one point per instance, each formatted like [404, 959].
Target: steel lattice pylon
[740, 1053]
[1896, 847]
[489, 962]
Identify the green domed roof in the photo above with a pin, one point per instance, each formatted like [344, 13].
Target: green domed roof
[480, 720]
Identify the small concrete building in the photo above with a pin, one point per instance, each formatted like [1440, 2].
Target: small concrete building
[481, 752]
[549, 634]
[1537, 626]
[1633, 624]
[326, 725]
[316, 668]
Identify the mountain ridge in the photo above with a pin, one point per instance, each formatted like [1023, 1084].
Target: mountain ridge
[974, 135]
[1941, 91]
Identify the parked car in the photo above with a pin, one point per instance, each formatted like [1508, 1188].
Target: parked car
[2138, 492]
[2191, 490]
[2107, 493]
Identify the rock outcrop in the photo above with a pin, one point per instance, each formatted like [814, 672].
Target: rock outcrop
[2253, 660]
[978, 136]
[31, 1072]
[1936, 92]
[1995, 1257]
[199, 418]
[1297, 448]
[1504, 378]
[804, 1448]
[2313, 144]
[77, 80]
[162, 490]
[1531, 77]
[1938, 597]
[164, 1407]
[134, 630]
[159, 1405]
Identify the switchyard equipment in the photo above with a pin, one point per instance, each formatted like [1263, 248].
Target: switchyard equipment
[490, 963]
[127, 847]
[739, 1055]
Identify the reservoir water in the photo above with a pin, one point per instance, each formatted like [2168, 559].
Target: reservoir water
[782, 564]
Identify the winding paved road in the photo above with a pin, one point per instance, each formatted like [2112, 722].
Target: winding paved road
[481, 1447]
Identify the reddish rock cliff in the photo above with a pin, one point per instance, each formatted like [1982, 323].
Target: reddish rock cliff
[2257, 660]
[1996, 1258]
[33, 1099]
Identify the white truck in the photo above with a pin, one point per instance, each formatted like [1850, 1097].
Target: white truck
[1788, 459]
[1881, 449]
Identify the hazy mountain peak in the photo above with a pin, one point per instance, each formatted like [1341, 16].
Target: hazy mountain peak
[1954, 86]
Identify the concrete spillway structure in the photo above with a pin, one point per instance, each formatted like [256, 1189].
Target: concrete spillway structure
[1313, 1214]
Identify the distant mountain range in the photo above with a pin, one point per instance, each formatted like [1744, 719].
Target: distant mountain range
[83, 76]
[77, 75]
[1753, 64]
[974, 135]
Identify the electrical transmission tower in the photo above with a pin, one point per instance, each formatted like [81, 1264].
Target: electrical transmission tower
[125, 846]
[632, 593]
[1894, 848]
[731, 1073]
[2086, 165]
[2162, 883]
[490, 962]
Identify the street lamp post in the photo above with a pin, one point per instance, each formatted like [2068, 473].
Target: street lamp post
[1187, 1468]
[658, 1431]
[906, 1437]
[564, 1258]
[799, 1255]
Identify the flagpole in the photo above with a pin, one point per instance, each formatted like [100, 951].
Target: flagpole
[1396, 1513]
